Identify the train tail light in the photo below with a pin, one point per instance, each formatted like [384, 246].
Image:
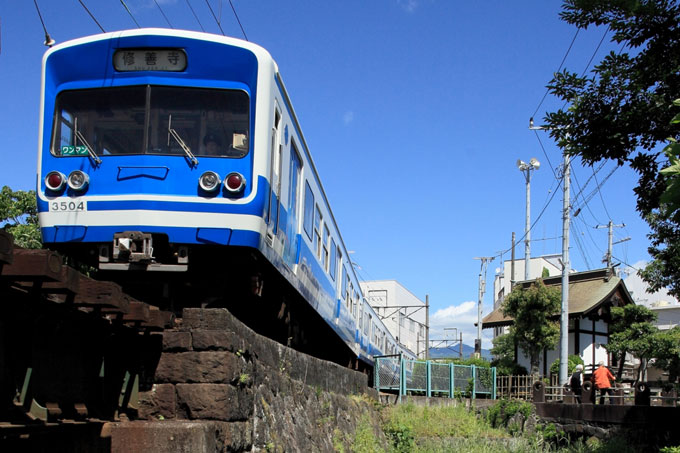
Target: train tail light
[55, 180]
[234, 182]
[209, 181]
[78, 180]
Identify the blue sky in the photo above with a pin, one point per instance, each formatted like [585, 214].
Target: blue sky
[415, 112]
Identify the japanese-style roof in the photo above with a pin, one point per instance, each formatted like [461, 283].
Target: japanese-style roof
[588, 291]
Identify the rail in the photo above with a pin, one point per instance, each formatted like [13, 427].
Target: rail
[394, 374]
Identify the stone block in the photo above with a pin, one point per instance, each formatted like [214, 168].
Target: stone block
[176, 341]
[159, 402]
[218, 340]
[200, 367]
[165, 436]
[214, 402]
[208, 319]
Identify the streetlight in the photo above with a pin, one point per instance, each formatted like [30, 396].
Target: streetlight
[526, 168]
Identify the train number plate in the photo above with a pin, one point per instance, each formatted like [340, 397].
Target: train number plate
[68, 205]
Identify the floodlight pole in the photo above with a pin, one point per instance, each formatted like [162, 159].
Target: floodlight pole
[482, 289]
[527, 168]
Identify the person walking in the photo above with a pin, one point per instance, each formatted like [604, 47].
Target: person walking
[576, 382]
[602, 378]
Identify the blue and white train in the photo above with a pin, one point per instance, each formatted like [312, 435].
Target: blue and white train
[165, 150]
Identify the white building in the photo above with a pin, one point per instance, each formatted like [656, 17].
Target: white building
[402, 312]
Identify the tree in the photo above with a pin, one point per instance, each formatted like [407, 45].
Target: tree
[667, 352]
[633, 332]
[504, 359]
[19, 217]
[624, 110]
[533, 310]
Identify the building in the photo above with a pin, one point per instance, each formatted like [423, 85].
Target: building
[591, 295]
[404, 315]
[502, 284]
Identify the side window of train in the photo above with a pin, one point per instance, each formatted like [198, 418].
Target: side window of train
[324, 253]
[294, 194]
[334, 259]
[275, 172]
[344, 283]
[317, 232]
[309, 210]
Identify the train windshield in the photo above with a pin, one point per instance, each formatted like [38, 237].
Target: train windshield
[151, 120]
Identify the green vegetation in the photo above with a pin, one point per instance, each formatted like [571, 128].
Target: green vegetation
[572, 361]
[532, 310]
[502, 427]
[19, 217]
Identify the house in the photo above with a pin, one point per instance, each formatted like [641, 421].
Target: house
[668, 316]
[403, 313]
[591, 295]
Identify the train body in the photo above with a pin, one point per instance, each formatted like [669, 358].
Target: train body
[161, 148]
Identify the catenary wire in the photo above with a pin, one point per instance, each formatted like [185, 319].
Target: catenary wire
[122, 2]
[194, 13]
[238, 20]
[215, 17]
[164, 16]
[92, 16]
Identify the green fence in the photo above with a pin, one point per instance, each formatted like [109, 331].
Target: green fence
[396, 374]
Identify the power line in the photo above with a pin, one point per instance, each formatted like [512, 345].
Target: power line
[545, 154]
[238, 20]
[166, 17]
[92, 16]
[194, 13]
[558, 70]
[214, 17]
[49, 42]
[130, 13]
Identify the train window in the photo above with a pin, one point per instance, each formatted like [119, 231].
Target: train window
[317, 231]
[334, 259]
[152, 120]
[309, 210]
[324, 252]
[345, 280]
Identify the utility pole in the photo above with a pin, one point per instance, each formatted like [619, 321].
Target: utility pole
[512, 263]
[427, 326]
[610, 226]
[527, 168]
[482, 288]
[566, 266]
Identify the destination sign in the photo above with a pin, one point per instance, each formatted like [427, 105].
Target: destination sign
[173, 60]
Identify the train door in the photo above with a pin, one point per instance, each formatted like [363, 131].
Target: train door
[292, 237]
[274, 178]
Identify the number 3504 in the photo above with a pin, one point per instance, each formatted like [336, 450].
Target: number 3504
[67, 206]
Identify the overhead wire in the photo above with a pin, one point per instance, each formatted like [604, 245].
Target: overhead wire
[164, 16]
[215, 17]
[49, 42]
[558, 70]
[122, 2]
[238, 20]
[92, 16]
[194, 13]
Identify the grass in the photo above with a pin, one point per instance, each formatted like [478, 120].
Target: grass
[410, 428]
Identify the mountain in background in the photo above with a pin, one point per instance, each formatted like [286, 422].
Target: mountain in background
[453, 352]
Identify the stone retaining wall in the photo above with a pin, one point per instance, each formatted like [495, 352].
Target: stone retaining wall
[219, 386]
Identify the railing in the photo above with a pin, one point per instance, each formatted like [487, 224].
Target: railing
[520, 387]
[639, 395]
[428, 378]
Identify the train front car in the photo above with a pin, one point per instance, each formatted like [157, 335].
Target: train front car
[148, 144]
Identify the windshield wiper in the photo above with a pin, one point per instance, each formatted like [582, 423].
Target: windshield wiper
[80, 137]
[181, 143]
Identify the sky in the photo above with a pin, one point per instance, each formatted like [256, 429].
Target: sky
[415, 112]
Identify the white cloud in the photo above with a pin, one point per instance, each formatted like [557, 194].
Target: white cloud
[408, 5]
[462, 317]
[348, 117]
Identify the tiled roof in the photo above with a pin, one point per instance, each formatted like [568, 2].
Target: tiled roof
[587, 291]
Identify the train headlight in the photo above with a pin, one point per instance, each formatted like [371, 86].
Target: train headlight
[55, 180]
[234, 182]
[209, 181]
[78, 180]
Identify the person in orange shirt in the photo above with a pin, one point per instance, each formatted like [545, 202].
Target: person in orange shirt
[602, 378]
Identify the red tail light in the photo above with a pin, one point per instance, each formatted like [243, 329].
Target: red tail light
[55, 180]
[234, 182]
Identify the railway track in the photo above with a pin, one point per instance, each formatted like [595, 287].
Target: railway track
[74, 352]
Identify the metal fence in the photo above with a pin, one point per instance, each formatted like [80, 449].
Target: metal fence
[428, 378]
